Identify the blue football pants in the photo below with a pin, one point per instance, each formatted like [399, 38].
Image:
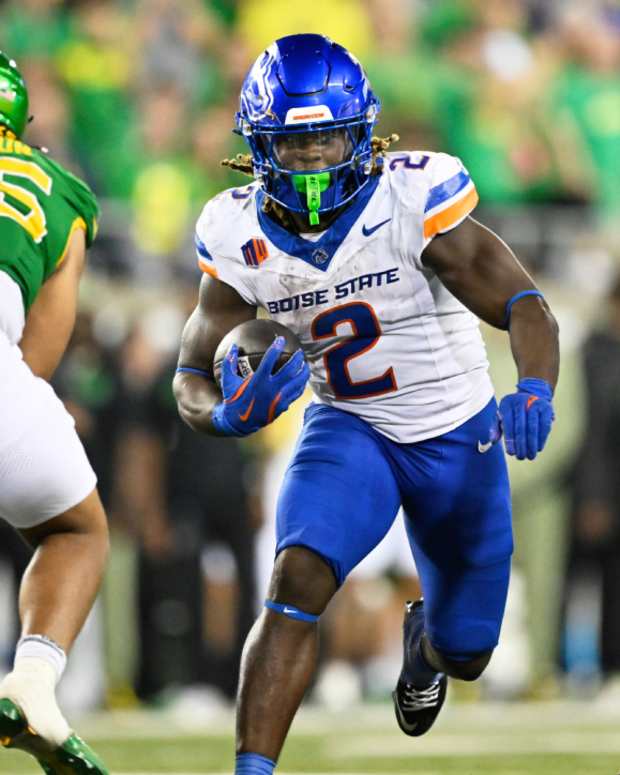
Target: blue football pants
[343, 489]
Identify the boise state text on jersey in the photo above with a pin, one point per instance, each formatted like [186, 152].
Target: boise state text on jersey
[339, 291]
[385, 340]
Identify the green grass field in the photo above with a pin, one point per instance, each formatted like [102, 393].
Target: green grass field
[564, 738]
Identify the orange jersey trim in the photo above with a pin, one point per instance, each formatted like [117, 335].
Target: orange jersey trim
[210, 270]
[451, 215]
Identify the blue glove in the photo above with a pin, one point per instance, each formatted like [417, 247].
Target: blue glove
[253, 402]
[526, 418]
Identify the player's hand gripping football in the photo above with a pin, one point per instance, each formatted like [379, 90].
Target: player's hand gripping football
[526, 417]
[253, 402]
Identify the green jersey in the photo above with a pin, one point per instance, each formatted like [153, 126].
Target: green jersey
[41, 204]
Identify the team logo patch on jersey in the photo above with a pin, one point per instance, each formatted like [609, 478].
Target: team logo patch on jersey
[320, 256]
[255, 251]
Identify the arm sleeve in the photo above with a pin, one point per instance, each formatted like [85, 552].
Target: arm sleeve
[216, 264]
[451, 196]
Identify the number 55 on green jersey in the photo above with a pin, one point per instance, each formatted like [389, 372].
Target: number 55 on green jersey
[41, 204]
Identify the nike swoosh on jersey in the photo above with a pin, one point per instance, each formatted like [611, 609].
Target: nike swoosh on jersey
[367, 232]
[287, 610]
[484, 447]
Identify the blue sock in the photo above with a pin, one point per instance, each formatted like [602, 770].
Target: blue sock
[253, 764]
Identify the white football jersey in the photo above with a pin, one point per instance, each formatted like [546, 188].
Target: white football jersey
[384, 339]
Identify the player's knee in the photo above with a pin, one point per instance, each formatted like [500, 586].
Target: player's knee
[303, 579]
[469, 669]
[466, 668]
[92, 524]
[85, 521]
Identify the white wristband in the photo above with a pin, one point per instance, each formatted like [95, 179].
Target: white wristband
[40, 647]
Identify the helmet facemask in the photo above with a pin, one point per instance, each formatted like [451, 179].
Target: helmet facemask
[314, 168]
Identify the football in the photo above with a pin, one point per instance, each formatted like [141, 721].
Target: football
[253, 338]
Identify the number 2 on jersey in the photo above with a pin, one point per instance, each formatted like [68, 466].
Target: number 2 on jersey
[366, 332]
[28, 213]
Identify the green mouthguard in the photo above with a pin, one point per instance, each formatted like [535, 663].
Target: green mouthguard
[313, 186]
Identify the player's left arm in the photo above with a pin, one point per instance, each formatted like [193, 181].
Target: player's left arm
[484, 274]
[51, 317]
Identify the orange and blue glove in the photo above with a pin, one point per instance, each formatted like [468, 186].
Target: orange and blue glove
[526, 417]
[253, 402]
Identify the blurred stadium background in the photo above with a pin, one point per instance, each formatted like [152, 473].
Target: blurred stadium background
[137, 96]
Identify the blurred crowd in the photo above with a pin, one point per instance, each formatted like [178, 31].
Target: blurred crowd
[138, 97]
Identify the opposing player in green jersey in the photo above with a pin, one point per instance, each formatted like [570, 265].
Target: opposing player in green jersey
[47, 486]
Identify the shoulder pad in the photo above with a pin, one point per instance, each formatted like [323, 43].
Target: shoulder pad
[434, 185]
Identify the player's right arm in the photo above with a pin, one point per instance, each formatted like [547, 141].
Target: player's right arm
[220, 308]
[244, 405]
[226, 299]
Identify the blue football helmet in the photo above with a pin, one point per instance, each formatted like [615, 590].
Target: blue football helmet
[306, 88]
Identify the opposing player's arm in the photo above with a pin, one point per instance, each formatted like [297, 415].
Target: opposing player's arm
[51, 317]
[220, 308]
[484, 274]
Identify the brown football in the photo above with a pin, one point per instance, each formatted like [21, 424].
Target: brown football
[253, 338]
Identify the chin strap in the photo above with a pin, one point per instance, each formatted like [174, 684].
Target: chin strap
[312, 186]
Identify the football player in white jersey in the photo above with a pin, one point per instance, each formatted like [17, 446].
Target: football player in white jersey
[374, 261]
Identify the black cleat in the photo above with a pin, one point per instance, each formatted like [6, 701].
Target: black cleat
[416, 707]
